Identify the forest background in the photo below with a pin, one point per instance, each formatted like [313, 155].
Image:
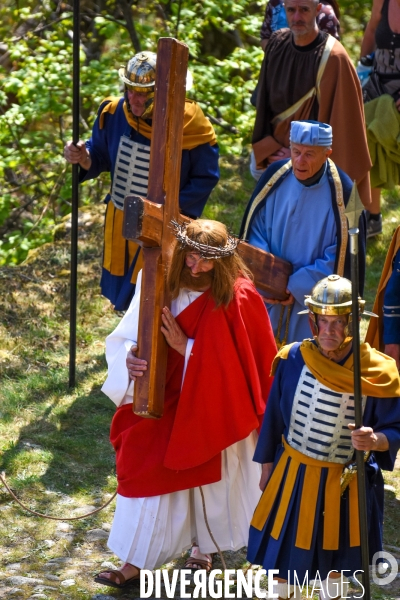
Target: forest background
[36, 93]
[54, 442]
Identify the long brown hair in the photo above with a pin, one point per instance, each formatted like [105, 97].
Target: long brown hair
[226, 270]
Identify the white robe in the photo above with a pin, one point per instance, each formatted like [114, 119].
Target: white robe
[148, 532]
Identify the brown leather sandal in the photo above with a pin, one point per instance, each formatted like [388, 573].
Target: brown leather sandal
[192, 563]
[114, 575]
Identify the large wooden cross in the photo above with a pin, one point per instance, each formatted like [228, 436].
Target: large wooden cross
[147, 222]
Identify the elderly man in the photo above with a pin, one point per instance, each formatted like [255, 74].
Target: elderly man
[120, 144]
[221, 350]
[307, 74]
[305, 524]
[297, 213]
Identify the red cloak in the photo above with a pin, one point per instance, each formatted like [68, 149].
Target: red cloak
[221, 402]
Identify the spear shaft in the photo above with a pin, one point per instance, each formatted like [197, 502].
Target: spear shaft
[362, 498]
[75, 195]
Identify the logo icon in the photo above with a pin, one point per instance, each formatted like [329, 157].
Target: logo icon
[384, 568]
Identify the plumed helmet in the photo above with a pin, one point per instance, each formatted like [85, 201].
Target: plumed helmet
[140, 72]
[332, 296]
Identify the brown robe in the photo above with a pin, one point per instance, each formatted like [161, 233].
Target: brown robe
[287, 74]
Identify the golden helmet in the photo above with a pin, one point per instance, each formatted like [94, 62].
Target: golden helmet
[140, 75]
[140, 72]
[332, 296]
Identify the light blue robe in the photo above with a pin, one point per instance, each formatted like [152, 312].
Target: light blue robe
[297, 223]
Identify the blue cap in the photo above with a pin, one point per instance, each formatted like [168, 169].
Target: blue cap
[311, 133]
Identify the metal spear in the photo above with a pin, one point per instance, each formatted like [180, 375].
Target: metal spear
[353, 211]
[75, 195]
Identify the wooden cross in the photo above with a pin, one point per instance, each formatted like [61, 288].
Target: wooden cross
[147, 222]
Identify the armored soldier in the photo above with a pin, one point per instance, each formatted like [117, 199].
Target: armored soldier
[120, 144]
[303, 522]
[220, 352]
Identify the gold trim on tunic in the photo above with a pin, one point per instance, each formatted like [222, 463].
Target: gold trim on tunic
[116, 247]
[343, 219]
[308, 500]
[264, 192]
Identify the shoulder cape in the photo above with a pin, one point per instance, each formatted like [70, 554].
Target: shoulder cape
[221, 401]
[227, 379]
[379, 375]
[197, 129]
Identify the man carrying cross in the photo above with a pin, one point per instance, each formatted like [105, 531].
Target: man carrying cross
[220, 351]
[120, 144]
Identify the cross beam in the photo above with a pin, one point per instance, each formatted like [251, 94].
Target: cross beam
[147, 222]
[143, 223]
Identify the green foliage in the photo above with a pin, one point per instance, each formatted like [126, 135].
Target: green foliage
[36, 90]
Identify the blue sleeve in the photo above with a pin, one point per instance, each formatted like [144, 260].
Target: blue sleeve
[99, 148]
[199, 176]
[391, 305]
[258, 232]
[383, 415]
[303, 280]
[273, 424]
[279, 406]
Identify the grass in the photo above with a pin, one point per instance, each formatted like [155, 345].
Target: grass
[54, 440]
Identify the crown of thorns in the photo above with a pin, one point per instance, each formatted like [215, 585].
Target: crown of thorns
[205, 250]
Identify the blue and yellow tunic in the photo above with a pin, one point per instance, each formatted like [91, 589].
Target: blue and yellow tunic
[391, 305]
[199, 175]
[302, 522]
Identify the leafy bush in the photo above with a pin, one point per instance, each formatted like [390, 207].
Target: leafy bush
[36, 89]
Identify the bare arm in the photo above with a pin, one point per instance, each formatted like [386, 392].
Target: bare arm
[368, 43]
[366, 439]
[279, 155]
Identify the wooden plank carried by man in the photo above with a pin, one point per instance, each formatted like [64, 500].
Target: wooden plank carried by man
[148, 223]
